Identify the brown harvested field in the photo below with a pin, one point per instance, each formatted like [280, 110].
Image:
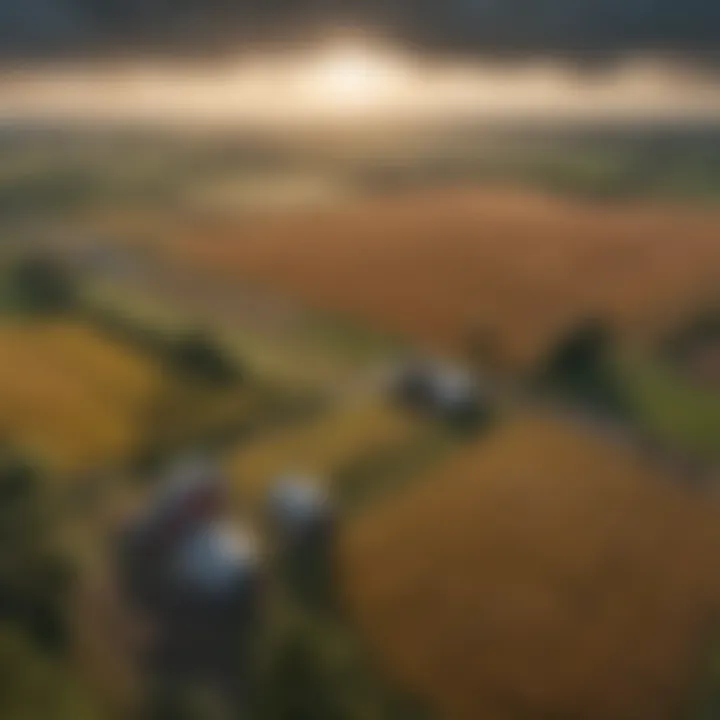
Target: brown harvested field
[568, 580]
[436, 264]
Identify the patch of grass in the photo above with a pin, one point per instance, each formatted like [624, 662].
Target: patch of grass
[684, 414]
[351, 339]
[323, 445]
[368, 477]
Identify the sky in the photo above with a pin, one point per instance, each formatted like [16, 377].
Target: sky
[295, 61]
[579, 29]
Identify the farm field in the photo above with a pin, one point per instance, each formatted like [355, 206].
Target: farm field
[440, 265]
[554, 567]
[675, 408]
[69, 394]
[323, 446]
[539, 573]
[77, 399]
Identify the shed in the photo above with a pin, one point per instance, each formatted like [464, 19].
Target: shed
[441, 388]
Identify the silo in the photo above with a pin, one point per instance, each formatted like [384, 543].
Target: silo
[216, 613]
[191, 494]
[302, 524]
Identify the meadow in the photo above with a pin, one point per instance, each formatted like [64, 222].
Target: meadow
[321, 447]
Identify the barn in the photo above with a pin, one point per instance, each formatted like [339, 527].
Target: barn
[196, 577]
[442, 389]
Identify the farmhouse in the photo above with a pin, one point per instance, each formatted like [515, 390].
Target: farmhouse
[440, 388]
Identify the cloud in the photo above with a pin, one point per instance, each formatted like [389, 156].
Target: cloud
[359, 83]
[579, 29]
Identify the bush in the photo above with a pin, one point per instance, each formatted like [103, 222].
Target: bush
[304, 679]
[580, 355]
[581, 367]
[33, 577]
[41, 284]
[192, 354]
[198, 356]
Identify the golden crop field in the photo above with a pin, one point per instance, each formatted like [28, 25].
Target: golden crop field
[438, 265]
[542, 572]
[321, 446]
[69, 394]
[77, 398]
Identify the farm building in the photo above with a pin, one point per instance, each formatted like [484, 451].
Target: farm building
[195, 577]
[194, 490]
[296, 504]
[442, 389]
[302, 524]
[216, 558]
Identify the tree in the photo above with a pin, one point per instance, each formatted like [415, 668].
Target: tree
[41, 284]
[33, 577]
[581, 367]
[198, 356]
[300, 683]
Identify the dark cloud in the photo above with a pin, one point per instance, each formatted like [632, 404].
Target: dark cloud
[585, 29]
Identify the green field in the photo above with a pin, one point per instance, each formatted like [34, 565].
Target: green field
[677, 411]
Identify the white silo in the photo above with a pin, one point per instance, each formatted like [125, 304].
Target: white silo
[302, 523]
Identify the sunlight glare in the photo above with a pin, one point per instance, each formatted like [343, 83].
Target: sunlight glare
[354, 77]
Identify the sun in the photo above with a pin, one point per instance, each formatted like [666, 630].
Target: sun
[353, 77]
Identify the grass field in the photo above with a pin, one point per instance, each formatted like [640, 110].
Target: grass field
[439, 265]
[541, 573]
[322, 446]
[674, 408]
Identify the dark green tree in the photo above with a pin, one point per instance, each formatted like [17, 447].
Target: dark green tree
[198, 356]
[41, 284]
[581, 367]
[299, 683]
[33, 576]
